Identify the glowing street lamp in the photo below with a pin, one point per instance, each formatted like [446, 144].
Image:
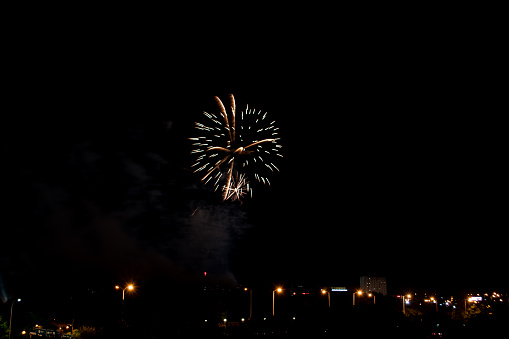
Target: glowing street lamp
[129, 287]
[70, 327]
[435, 302]
[250, 301]
[10, 321]
[408, 296]
[359, 293]
[374, 297]
[328, 294]
[279, 290]
[470, 300]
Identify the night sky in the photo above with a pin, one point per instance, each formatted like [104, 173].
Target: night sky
[393, 161]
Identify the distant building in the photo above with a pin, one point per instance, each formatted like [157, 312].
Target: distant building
[374, 284]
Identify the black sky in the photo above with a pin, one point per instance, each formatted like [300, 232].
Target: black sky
[392, 159]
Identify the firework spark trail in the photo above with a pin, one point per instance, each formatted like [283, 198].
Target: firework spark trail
[223, 147]
[238, 188]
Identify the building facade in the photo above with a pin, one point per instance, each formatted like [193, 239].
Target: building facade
[374, 284]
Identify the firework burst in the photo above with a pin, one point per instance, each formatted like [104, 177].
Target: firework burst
[234, 147]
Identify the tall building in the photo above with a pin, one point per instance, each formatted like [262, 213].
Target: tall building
[374, 284]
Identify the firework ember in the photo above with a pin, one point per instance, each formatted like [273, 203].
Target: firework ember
[233, 148]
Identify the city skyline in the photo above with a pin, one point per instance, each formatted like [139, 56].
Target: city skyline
[219, 308]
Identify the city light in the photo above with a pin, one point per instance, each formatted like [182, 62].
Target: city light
[325, 291]
[363, 303]
[129, 287]
[406, 301]
[339, 289]
[279, 290]
[359, 292]
[10, 319]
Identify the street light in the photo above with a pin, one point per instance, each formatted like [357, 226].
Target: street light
[435, 302]
[328, 294]
[250, 301]
[408, 297]
[70, 326]
[469, 300]
[10, 321]
[359, 293]
[374, 297]
[129, 287]
[279, 290]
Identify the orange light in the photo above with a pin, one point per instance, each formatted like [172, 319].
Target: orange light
[245, 288]
[370, 295]
[130, 287]
[117, 287]
[279, 290]
[324, 291]
[359, 292]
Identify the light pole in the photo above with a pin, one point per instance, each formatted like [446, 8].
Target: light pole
[279, 290]
[71, 326]
[250, 301]
[374, 297]
[408, 297]
[469, 300]
[129, 287]
[328, 294]
[10, 321]
[359, 293]
[433, 300]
